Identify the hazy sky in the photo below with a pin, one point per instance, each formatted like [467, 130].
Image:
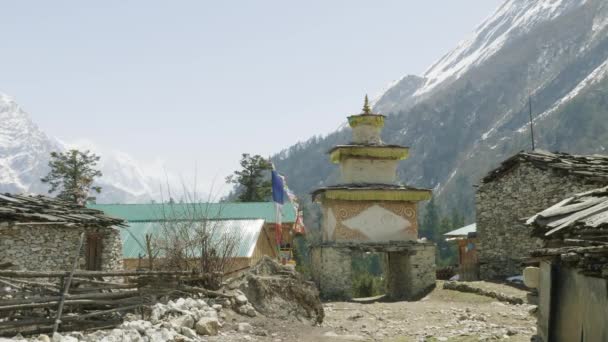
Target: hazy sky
[204, 81]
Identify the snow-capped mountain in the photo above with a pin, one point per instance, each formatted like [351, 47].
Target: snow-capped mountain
[24, 157]
[470, 109]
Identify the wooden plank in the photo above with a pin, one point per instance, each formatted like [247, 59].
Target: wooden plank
[567, 209]
[66, 289]
[557, 205]
[568, 221]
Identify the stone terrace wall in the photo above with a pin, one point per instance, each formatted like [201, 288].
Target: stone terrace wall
[504, 240]
[44, 247]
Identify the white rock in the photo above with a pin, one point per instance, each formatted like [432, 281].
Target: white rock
[160, 335]
[241, 299]
[44, 338]
[207, 326]
[139, 325]
[202, 304]
[189, 333]
[180, 302]
[244, 327]
[132, 335]
[56, 337]
[217, 307]
[183, 321]
[191, 303]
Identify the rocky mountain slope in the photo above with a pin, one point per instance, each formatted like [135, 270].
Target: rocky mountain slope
[470, 109]
[24, 156]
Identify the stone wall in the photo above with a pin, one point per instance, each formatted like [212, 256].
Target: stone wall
[332, 272]
[504, 240]
[410, 274]
[44, 247]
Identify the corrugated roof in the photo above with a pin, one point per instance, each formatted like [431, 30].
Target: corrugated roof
[464, 231]
[225, 211]
[247, 232]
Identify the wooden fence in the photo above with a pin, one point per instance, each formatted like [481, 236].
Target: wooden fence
[43, 302]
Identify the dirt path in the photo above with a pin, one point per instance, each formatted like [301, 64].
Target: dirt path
[443, 315]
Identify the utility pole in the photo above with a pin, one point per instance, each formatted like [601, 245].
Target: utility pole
[531, 121]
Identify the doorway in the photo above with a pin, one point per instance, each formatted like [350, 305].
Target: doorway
[94, 248]
[368, 274]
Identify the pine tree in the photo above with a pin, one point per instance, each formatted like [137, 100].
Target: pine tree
[72, 174]
[250, 182]
[457, 220]
[430, 223]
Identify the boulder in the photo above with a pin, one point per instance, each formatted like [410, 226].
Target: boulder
[241, 299]
[182, 321]
[247, 310]
[207, 326]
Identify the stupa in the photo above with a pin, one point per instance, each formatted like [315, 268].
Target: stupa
[370, 211]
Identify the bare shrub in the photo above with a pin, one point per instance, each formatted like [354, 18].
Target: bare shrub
[193, 236]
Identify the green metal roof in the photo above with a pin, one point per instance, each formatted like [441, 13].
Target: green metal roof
[224, 211]
[246, 231]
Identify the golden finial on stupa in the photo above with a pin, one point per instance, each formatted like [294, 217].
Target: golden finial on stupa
[366, 108]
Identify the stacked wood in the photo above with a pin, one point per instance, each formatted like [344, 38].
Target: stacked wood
[576, 229]
[91, 302]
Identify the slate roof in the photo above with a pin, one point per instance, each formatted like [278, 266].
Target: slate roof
[224, 211]
[593, 167]
[46, 210]
[247, 231]
[580, 226]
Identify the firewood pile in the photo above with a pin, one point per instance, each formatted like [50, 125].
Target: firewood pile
[576, 231]
[592, 167]
[37, 302]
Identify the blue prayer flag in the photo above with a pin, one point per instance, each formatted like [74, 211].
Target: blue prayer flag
[278, 188]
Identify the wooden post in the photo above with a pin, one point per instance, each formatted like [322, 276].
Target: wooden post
[67, 284]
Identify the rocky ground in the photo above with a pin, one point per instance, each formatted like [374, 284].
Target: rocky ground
[444, 315]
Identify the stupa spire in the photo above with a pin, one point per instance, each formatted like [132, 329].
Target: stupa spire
[366, 108]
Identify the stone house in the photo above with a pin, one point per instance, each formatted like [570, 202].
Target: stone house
[572, 277]
[42, 233]
[252, 222]
[521, 186]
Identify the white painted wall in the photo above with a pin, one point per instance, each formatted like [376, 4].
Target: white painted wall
[369, 171]
[367, 134]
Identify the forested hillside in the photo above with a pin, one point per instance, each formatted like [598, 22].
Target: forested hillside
[470, 110]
